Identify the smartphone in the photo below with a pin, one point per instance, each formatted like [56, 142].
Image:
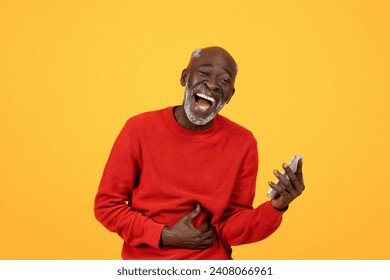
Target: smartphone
[293, 166]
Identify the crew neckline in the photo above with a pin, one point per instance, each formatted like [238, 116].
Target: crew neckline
[173, 124]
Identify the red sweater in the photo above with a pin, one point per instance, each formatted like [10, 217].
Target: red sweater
[158, 171]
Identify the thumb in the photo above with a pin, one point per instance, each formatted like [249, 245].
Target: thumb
[193, 213]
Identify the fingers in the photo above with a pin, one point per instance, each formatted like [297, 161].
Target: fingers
[278, 188]
[297, 178]
[291, 182]
[294, 184]
[206, 243]
[284, 182]
[183, 234]
[206, 230]
[209, 234]
[207, 238]
[204, 226]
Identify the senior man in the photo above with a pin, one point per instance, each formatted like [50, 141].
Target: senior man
[180, 182]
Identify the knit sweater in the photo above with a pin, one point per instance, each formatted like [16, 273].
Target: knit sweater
[158, 171]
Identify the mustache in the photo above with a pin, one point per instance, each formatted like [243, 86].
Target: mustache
[204, 88]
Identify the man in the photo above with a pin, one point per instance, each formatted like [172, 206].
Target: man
[180, 182]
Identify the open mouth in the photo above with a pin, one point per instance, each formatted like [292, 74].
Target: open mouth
[204, 101]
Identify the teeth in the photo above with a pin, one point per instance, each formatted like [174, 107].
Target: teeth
[204, 96]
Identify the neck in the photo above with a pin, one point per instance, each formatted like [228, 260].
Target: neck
[183, 120]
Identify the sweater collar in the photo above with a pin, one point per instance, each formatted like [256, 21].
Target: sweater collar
[169, 115]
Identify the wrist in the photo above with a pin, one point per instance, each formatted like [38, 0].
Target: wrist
[278, 207]
[164, 238]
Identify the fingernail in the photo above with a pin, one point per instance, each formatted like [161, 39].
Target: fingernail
[276, 172]
[285, 165]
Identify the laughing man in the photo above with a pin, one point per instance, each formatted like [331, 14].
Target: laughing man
[180, 182]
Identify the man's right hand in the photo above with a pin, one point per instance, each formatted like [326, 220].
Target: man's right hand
[184, 235]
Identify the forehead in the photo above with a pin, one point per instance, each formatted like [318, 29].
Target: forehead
[214, 58]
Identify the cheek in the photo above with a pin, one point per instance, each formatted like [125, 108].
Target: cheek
[194, 80]
[227, 95]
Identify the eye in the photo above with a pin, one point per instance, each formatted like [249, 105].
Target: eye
[203, 73]
[227, 81]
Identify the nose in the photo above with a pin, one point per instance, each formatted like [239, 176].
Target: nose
[212, 84]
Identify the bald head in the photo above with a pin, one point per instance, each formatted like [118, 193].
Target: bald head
[214, 52]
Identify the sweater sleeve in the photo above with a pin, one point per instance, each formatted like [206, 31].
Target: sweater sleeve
[113, 199]
[241, 223]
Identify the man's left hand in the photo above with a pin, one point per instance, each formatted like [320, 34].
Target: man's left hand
[290, 186]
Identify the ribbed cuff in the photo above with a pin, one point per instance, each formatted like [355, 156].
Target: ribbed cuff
[271, 212]
[152, 233]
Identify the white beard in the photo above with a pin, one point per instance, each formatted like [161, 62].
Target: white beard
[188, 98]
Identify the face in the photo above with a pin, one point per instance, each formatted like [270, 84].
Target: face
[209, 85]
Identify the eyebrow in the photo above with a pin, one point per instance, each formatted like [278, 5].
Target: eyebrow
[211, 65]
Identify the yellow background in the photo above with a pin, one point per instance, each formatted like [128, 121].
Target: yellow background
[313, 79]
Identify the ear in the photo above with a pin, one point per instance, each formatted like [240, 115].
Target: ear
[233, 90]
[184, 77]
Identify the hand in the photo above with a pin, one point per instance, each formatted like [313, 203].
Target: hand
[184, 235]
[290, 186]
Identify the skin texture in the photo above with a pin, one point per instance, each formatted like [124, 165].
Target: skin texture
[213, 73]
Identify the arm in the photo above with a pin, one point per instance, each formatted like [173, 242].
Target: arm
[119, 178]
[241, 223]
